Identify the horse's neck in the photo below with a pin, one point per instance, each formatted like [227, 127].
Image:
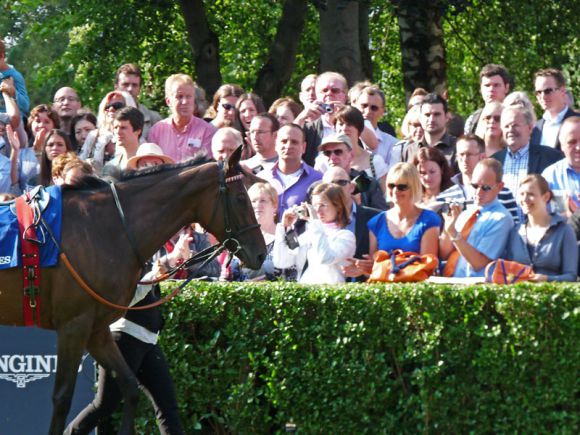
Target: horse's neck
[156, 212]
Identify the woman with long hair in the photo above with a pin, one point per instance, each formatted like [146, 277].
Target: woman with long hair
[326, 243]
[434, 172]
[81, 125]
[544, 240]
[247, 106]
[57, 143]
[222, 112]
[285, 109]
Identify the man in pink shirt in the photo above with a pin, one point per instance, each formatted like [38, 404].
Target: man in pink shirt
[181, 135]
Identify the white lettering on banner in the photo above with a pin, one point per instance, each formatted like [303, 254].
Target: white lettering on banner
[5, 260]
[21, 369]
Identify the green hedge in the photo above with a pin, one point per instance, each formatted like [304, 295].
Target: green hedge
[248, 358]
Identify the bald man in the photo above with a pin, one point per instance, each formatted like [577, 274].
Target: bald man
[66, 103]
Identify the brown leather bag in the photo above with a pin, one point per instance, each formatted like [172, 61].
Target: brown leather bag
[402, 266]
[507, 272]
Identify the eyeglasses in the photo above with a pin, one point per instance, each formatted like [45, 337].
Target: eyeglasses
[373, 107]
[546, 91]
[484, 187]
[341, 182]
[328, 153]
[228, 106]
[61, 100]
[400, 186]
[116, 106]
[332, 90]
[488, 118]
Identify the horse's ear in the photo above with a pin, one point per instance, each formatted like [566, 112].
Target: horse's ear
[234, 159]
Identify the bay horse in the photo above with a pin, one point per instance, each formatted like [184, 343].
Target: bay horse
[107, 254]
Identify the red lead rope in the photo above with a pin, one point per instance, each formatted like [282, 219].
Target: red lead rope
[30, 263]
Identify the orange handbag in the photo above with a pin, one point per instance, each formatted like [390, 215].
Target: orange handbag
[507, 272]
[400, 266]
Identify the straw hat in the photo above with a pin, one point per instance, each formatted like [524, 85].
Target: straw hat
[148, 149]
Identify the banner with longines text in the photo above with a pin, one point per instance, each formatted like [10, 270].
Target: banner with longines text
[28, 360]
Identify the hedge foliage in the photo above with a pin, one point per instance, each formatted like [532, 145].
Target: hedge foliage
[249, 358]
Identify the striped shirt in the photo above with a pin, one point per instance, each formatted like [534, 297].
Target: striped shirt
[515, 168]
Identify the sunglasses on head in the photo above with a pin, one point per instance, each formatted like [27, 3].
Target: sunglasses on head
[228, 106]
[484, 187]
[328, 153]
[341, 182]
[400, 186]
[546, 91]
[116, 105]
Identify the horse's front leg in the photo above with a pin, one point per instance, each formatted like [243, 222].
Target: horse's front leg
[72, 339]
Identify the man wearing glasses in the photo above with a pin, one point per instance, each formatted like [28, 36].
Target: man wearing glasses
[371, 103]
[471, 151]
[66, 103]
[474, 237]
[550, 86]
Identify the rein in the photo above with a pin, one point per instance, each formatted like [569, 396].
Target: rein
[231, 244]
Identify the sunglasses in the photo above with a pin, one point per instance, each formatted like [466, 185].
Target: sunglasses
[341, 182]
[328, 153]
[373, 107]
[116, 105]
[484, 187]
[228, 106]
[546, 91]
[488, 118]
[400, 186]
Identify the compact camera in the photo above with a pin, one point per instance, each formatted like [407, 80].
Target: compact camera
[301, 211]
[444, 209]
[328, 108]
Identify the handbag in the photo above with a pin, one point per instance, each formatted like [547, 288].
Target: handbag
[399, 266]
[507, 272]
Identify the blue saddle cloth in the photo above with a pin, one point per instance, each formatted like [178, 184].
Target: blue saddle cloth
[10, 250]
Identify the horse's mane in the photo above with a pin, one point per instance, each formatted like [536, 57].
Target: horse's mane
[88, 182]
[197, 160]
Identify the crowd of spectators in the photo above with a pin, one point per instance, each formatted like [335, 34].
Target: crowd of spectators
[338, 182]
[333, 182]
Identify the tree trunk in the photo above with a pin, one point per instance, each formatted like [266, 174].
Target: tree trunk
[204, 45]
[422, 46]
[276, 72]
[340, 49]
[363, 39]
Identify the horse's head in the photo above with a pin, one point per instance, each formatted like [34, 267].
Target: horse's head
[236, 224]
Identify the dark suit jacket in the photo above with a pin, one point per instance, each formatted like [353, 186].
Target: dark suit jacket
[313, 132]
[536, 137]
[540, 158]
[361, 231]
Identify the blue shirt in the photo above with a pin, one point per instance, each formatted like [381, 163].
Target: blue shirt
[22, 100]
[5, 180]
[561, 176]
[515, 168]
[294, 194]
[489, 235]
[410, 242]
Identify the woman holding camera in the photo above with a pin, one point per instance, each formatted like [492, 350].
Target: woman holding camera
[544, 240]
[325, 244]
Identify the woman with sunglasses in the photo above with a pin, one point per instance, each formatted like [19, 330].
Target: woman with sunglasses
[544, 240]
[99, 146]
[488, 128]
[326, 244]
[222, 112]
[405, 226]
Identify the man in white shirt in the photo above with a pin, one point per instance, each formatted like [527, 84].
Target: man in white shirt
[550, 90]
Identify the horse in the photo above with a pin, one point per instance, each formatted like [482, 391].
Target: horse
[107, 243]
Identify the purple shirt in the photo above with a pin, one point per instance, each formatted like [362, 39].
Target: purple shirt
[182, 145]
[294, 194]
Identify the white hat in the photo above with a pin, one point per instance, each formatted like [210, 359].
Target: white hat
[148, 149]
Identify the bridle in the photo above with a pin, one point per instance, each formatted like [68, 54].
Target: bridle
[230, 243]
